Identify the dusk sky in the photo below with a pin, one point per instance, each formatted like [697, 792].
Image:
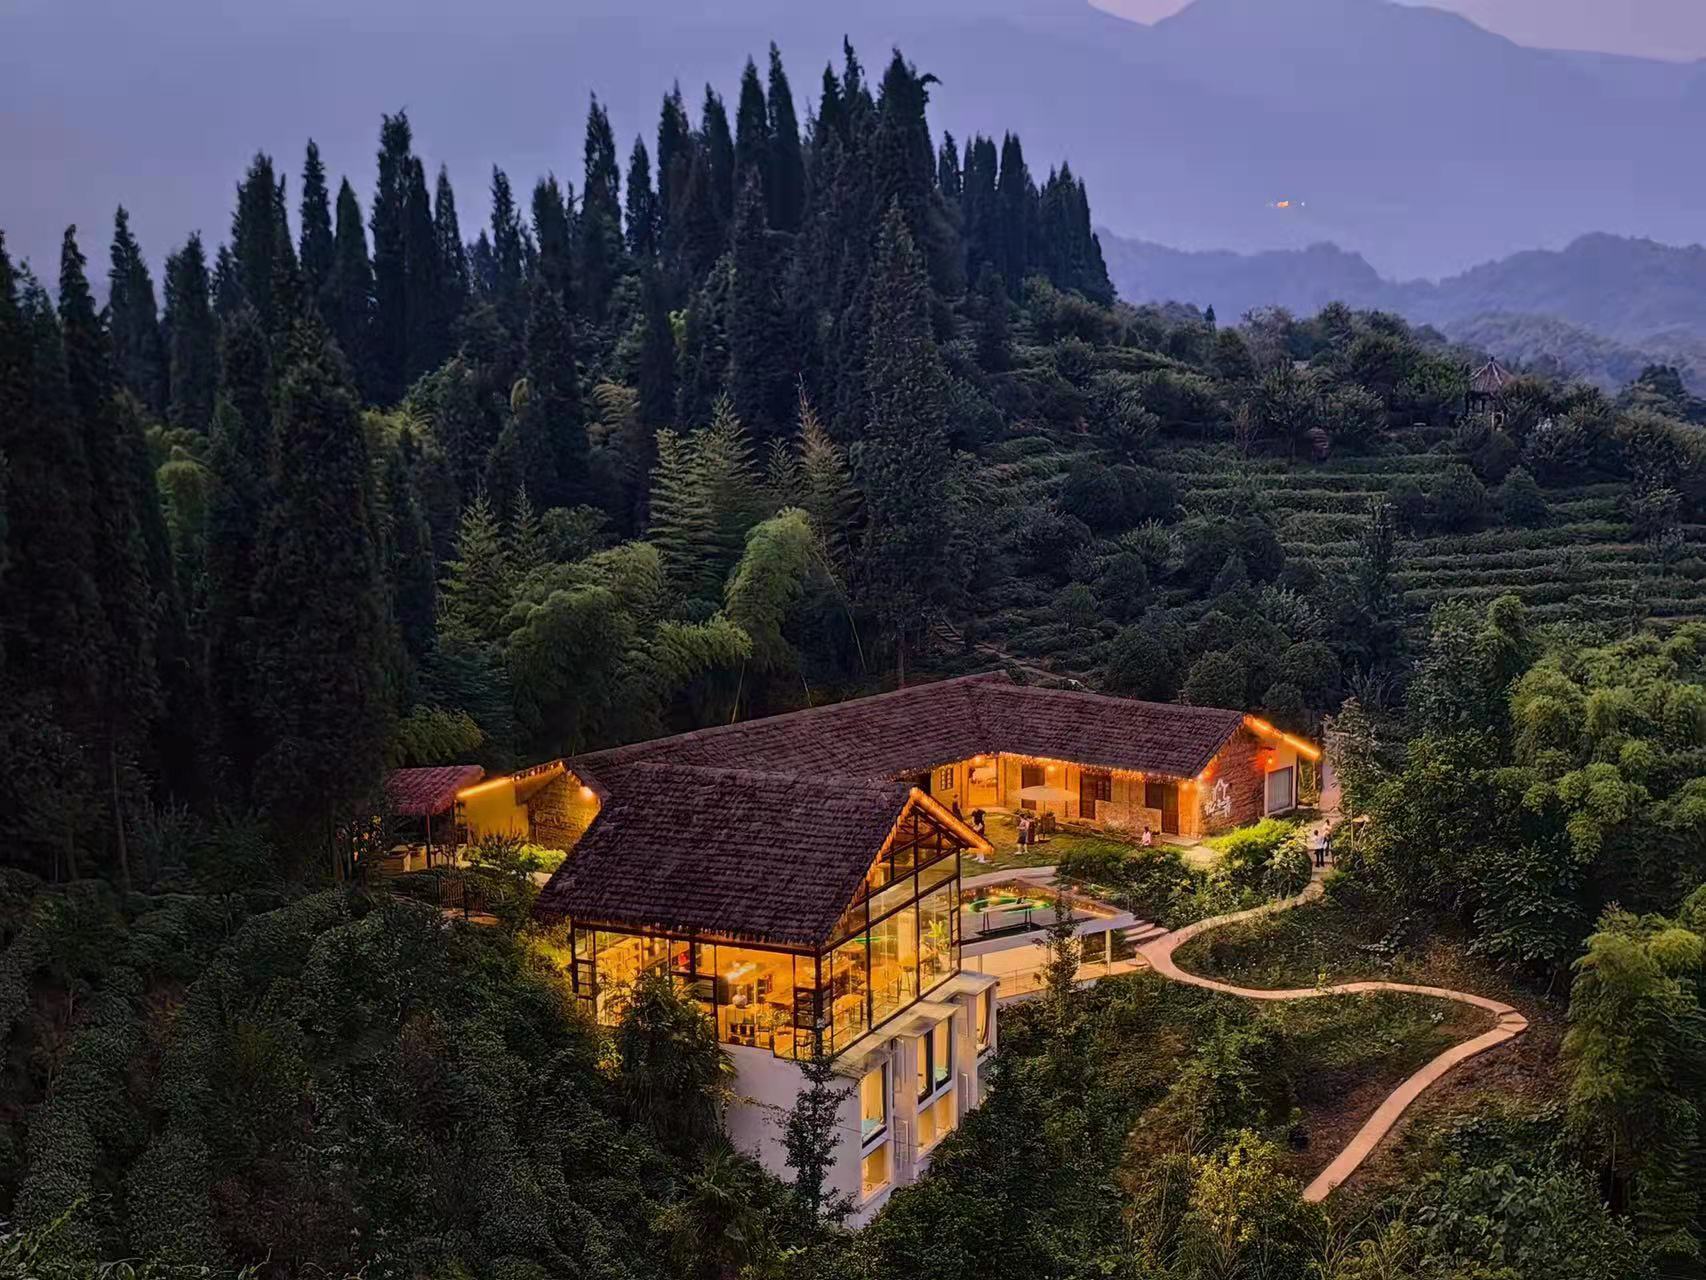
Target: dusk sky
[1674, 29]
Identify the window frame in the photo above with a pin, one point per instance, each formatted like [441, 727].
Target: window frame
[1268, 808]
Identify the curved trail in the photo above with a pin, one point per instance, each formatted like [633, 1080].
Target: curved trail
[1507, 1025]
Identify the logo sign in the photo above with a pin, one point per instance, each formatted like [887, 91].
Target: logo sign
[1220, 801]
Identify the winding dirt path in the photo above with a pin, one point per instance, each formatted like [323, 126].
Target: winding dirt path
[1507, 1025]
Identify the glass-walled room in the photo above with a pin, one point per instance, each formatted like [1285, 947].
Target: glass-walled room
[898, 942]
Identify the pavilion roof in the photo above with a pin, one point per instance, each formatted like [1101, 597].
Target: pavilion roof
[417, 793]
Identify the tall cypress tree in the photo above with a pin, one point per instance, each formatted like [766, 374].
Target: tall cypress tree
[317, 245]
[1016, 198]
[763, 375]
[390, 220]
[553, 234]
[752, 136]
[255, 247]
[902, 460]
[786, 188]
[411, 570]
[675, 161]
[645, 223]
[949, 181]
[508, 254]
[656, 372]
[980, 210]
[127, 688]
[424, 291]
[454, 286]
[600, 226]
[718, 145]
[347, 299]
[239, 464]
[323, 632]
[553, 408]
[134, 320]
[191, 338]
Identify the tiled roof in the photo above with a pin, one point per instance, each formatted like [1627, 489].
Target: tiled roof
[730, 852]
[762, 830]
[1490, 379]
[415, 793]
[908, 731]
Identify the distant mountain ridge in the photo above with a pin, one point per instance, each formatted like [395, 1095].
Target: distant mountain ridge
[1602, 308]
[1406, 134]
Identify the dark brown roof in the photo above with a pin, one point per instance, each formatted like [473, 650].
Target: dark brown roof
[1093, 729]
[911, 730]
[728, 852]
[1490, 379]
[415, 793]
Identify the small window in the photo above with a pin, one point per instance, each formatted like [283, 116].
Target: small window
[945, 779]
[941, 1053]
[874, 1103]
[923, 1052]
[874, 1171]
[1282, 790]
[985, 1018]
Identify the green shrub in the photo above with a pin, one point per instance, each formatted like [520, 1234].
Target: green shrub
[1246, 852]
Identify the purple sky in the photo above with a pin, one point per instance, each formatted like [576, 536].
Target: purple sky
[1673, 29]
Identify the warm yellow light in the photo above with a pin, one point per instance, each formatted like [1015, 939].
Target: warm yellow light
[485, 786]
[586, 793]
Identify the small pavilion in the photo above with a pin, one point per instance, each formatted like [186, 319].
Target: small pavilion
[418, 797]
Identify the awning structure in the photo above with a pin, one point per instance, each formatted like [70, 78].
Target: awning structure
[1045, 794]
[421, 793]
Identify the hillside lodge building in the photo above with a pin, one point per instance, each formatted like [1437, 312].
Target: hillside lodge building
[800, 877]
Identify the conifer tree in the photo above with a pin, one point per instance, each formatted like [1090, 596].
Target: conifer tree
[718, 146]
[902, 460]
[703, 368]
[259, 240]
[524, 541]
[949, 181]
[645, 225]
[752, 137]
[134, 320]
[681, 519]
[786, 183]
[700, 233]
[676, 150]
[191, 339]
[553, 234]
[346, 301]
[452, 255]
[826, 493]
[508, 253]
[411, 571]
[980, 211]
[239, 461]
[425, 297]
[479, 582]
[1016, 217]
[323, 635]
[762, 375]
[317, 245]
[227, 287]
[600, 224]
[390, 226]
[127, 687]
[655, 375]
[552, 412]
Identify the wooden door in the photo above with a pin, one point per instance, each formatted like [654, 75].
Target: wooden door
[1165, 797]
[1030, 775]
[1091, 788]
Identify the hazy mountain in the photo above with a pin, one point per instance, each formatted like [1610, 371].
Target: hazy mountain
[1406, 134]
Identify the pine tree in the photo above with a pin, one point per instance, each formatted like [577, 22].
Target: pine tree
[655, 376]
[390, 226]
[552, 412]
[346, 301]
[191, 339]
[994, 351]
[701, 236]
[762, 375]
[645, 225]
[260, 242]
[902, 460]
[676, 151]
[228, 293]
[600, 223]
[681, 521]
[524, 541]
[703, 369]
[1015, 210]
[508, 254]
[949, 180]
[127, 686]
[322, 628]
[479, 583]
[980, 209]
[424, 292]
[411, 571]
[134, 320]
[454, 286]
[317, 250]
[239, 462]
[752, 137]
[786, 185]
[718, 146]
[553, 233]
[903, 173]
[826, 494]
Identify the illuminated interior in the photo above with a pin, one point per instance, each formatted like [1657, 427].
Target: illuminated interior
[894, 944]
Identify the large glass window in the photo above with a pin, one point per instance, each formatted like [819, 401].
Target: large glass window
[985, 1018]
[874, 1171]
[936, 920]
[894, 963]
[873, 1103]
[620, 959]
[847, 978]
[757, 996]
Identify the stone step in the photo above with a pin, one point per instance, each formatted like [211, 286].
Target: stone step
[1143, 932]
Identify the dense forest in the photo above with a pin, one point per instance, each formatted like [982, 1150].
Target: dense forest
[789, 408]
